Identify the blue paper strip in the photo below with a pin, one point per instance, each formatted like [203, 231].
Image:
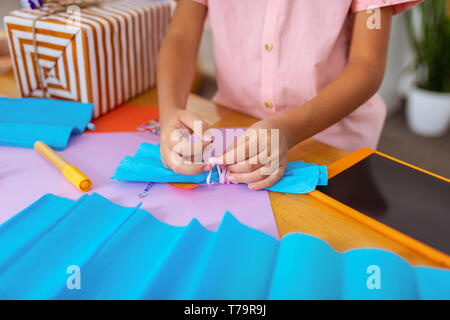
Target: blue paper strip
[146, 166]
[24, 121]
[125, 253]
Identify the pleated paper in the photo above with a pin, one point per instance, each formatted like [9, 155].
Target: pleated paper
[25, 121]
[125, 253]
[146, 166]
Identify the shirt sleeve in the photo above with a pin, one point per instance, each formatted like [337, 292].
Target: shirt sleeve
[397, 5]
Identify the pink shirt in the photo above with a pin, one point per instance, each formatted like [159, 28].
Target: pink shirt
[274, 55]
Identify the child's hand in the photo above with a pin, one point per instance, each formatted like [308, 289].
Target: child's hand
[177, 150]
[259, 164]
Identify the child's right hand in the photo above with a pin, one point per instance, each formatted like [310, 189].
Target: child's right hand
[177, 150]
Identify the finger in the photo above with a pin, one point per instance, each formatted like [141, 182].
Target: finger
[244, 166]
[189, 150]
[245, 147]
[205, 144]
[269, 180]
[252, 163]
[213, 143]
[180, 165]
[195, 124]
[253, 176]
[198, 127]
[164, 162]
[178, 133]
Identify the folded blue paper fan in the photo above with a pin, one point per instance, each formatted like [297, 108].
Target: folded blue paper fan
[24, 121]
[94, 249]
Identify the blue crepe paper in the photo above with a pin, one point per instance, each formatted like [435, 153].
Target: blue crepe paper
[146, 166]
[24, 121]
[125, 253]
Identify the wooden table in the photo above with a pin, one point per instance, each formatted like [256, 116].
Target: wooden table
[293, 213]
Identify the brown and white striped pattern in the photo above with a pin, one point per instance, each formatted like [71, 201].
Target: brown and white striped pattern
[107, 61]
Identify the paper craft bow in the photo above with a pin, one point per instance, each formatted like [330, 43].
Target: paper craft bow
[125, 253]
[146, 166]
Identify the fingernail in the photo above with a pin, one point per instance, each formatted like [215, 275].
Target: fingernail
[251, 186]
[206, 168]
[230, 178]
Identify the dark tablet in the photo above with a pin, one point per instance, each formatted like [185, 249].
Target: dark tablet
[409, 200]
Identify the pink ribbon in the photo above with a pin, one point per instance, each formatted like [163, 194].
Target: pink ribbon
[222, 174]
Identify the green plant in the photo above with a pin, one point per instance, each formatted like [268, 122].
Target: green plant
[430, 39]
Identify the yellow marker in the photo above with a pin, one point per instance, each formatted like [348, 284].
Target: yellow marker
[75, 176]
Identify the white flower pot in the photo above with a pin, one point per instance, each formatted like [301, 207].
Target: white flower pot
[428, 112]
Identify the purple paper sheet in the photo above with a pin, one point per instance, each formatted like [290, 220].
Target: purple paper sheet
[25, 176]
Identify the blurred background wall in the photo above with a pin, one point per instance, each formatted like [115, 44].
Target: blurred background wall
[6, 6]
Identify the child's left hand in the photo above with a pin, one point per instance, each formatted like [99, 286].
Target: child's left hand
[258, 164]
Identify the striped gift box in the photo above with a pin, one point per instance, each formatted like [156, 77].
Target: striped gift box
[103, 54]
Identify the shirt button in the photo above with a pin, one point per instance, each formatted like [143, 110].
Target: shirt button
[268, 46]
[268, 104]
